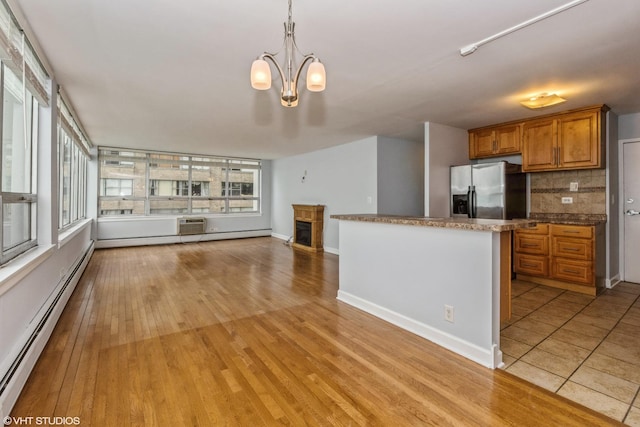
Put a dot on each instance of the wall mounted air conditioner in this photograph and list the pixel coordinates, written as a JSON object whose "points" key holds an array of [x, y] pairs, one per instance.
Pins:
{"points": [[191, 226]]}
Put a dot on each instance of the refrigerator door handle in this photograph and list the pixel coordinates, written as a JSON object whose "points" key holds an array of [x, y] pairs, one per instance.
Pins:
{"points": [[471, 200]]}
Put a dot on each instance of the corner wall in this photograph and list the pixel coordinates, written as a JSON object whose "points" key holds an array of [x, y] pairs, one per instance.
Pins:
{"points": [[342, 178], [400, 177], [444, 146]]}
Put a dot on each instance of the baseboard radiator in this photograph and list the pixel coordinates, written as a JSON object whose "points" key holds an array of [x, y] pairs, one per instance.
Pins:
{"points": [[192, 225], [16, 375]]}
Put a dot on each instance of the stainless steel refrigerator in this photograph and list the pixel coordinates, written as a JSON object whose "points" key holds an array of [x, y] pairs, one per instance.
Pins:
{"points": [[488, 190]]}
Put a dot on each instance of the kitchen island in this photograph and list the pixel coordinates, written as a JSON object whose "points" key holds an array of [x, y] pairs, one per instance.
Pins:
{"points": [[414, 272]]}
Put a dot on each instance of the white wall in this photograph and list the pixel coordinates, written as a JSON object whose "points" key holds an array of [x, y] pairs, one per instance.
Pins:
{"points": [[444, 146], [629, 126], [35, 286], [425, 275], [612, 273], [342, 178], [400, 177]]}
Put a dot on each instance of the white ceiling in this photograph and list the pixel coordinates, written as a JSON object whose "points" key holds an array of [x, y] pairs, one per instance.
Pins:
{"points": [[174, 75]]}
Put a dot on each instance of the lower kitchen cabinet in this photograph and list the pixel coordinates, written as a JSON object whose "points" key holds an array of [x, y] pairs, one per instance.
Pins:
{"points": [[565, 256]]}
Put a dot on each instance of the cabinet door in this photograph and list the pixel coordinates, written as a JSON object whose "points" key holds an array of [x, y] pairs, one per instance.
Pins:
{"points": [[539, 149], [534, 244], [539, 228], [481, 143], [572, 271], [572, 248], [534, 265], [579, 140], [508, 139]]}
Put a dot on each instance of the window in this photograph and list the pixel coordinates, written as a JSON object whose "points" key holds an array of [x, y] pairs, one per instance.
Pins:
{"points": [[116, 187], [123, 178], [179, 184], [25, 87], [19, 166], [238, 188], [116, 212], [159, 187], [72, 169]]}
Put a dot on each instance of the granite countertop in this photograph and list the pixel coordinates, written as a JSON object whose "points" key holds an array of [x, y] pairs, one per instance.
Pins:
{"points": [[569, 219], [458, 223]]}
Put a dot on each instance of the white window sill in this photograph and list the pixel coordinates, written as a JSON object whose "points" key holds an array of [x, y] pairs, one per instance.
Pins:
{"points": [[18, 268], [68, 235]]}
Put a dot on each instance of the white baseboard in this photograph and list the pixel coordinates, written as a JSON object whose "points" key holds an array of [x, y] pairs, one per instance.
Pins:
{"points": [[286, 238], [610, 283], [281, 236], [167, 240], [332, 250], [49, 314], [491, 358]]}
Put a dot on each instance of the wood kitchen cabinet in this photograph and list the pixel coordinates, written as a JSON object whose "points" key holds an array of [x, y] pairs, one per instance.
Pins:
{"points": [[563, 256], [531, 250], [572, 140], [495, 141]]}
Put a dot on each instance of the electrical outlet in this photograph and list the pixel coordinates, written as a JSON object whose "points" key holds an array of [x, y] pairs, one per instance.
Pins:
{"points": [[573, 186], [567, 200], [448, 313]]}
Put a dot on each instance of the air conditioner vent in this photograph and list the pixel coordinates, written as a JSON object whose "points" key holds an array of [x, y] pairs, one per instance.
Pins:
{"points": [[191, 226]]}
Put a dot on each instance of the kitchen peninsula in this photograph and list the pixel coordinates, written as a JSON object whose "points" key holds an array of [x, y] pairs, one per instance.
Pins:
{"points": [[440, 278]]}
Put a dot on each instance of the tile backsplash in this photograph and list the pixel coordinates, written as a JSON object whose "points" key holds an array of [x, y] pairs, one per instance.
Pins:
{"points": [[548, 189]]}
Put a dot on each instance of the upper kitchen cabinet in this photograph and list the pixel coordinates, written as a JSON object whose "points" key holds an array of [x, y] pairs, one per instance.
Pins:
{"points": [[571, 140], [495, 141]]}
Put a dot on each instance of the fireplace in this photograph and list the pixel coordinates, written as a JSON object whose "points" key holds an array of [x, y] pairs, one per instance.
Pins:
{"points": [[308, 221], [303, 233]]}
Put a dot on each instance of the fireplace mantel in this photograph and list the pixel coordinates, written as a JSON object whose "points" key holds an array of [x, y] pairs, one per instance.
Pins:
{"points": [[311, 218]]}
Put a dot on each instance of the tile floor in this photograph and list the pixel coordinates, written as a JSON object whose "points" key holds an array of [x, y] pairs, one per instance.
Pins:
{"points": [[584, 348]]}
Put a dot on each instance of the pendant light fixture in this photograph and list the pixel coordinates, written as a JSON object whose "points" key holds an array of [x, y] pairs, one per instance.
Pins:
{"points": [[261, 71]]}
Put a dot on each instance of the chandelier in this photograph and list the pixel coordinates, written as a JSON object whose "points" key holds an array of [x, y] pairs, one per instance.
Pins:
{"points": [[261, 72]]}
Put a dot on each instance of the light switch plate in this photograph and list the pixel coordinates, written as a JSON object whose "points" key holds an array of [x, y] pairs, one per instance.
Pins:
{"points": [[567, 200], [573, 186]]}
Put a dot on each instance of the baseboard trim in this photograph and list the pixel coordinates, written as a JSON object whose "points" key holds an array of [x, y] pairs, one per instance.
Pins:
{"points": [[16, 376], [167, 240], [281, 236], [490, 358], [610, 283], [333, 251], [286, 238]]}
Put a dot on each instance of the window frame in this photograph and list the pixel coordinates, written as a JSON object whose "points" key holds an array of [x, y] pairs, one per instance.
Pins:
{"points": [[189, 163], [75, 204], [16, 198]]}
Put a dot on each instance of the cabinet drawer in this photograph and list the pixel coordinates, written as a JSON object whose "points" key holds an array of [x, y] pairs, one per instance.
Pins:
{"points": [[538, 229], [534, 244], [575, 231], [531, 264], [572, 248], [573, 271]]}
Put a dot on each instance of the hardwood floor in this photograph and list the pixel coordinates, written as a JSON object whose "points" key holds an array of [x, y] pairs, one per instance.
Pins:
{"points": [[248, 332]]}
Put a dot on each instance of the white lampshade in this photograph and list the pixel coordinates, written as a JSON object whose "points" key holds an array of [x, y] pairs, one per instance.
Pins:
{"points": [[260, 75], [316, 77]]}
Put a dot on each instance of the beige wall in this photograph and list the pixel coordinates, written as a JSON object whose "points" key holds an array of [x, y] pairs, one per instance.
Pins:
{"points": [[548, 189]]}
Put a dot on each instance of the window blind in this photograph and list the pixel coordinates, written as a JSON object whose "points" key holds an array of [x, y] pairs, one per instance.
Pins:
{"points": [[71, 127], [17, 53]]}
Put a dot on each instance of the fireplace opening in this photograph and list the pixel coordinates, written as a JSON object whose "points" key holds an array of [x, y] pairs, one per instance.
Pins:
{"points": [[303, 233]]}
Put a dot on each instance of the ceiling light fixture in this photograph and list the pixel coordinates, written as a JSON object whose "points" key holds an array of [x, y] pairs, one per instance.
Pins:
{"points": [[261, 72], [543, 100], [469, 49]]}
